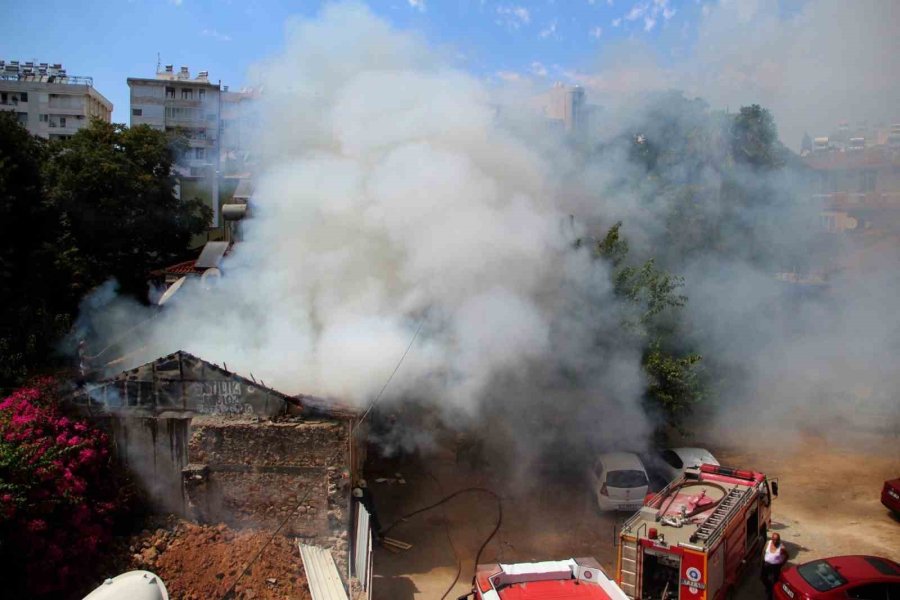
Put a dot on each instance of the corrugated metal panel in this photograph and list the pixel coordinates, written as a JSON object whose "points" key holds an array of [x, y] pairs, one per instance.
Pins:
{"points": [[211, 255], [321, 574], [361, 552]]}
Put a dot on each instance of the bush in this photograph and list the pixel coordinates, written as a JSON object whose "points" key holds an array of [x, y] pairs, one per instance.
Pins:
{"points": [[58, 492]]}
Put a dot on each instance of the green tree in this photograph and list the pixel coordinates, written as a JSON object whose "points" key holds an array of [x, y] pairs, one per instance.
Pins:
{"points": [[754, 138], [36, 257], [114, 186], [674, 383], [74, 214]]}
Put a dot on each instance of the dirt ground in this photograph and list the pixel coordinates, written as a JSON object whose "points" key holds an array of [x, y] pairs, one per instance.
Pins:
{"points": [[202, 562], [828, 504]]}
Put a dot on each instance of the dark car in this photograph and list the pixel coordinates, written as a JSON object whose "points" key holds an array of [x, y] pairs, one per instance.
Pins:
{"points": [[855, 577], [890, 495]]}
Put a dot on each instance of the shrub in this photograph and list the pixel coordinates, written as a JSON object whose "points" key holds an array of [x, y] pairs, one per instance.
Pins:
{"points": [[58, 492]]}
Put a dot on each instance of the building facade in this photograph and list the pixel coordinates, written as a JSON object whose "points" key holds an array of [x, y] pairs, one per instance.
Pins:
{"points": [[48, 101], [178, 104]]}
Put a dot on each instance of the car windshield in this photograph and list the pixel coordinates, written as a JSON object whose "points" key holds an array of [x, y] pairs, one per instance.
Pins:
{"points": [[626, 479], [821, 575]]}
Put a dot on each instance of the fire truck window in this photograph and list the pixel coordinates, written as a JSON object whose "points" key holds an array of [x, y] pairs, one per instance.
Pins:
{"points": [[671, 459], [872, 591]]}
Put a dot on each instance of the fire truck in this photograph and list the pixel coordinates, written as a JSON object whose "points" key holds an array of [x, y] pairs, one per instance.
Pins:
{"points": [[572, 579], [693, 539]]}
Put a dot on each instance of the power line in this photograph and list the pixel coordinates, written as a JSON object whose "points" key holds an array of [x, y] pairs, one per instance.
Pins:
{"points": [[394, 372]]}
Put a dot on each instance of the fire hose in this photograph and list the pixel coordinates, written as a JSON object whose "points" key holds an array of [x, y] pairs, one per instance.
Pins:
{"points": [[660, 514], [444, 501]]}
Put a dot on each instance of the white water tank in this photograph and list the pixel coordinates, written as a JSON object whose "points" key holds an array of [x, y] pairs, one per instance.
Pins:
{"points": [[134, 585]]}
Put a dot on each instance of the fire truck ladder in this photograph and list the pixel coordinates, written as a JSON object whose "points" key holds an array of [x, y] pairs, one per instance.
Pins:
{"points": [[628, 567], [711, 526]]}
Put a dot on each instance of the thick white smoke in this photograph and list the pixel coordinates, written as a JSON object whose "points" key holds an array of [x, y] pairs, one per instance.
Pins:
{"points": [[390, 199], [813, 63]]}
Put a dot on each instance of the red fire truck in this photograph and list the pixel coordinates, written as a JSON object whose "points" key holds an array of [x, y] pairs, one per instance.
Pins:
{"points": [[693, 539], [572, 579]]}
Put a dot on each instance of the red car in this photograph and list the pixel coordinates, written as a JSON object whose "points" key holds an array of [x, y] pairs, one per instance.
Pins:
{"points": [[890, 495], [858, 577]]}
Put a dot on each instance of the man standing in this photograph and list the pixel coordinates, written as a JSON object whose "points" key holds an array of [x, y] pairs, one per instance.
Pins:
{"points": [[773, 560]]}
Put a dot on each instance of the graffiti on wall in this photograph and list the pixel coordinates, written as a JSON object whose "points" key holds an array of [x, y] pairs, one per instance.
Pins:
{"points": [[223, 398]]}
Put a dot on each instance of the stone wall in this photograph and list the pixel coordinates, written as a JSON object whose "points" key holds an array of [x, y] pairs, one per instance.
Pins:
{"points": [[250, 474]]}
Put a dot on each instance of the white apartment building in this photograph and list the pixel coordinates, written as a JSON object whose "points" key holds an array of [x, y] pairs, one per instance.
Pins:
{"points": [[48, 101], [174, 102]]}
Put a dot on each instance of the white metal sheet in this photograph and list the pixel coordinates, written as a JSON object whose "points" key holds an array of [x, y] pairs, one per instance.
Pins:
{"points": [[321, 574], [363, 544]]}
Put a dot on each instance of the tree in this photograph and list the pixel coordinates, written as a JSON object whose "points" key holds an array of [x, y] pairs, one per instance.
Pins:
{"points": [[754, 138], [114, 187], [59, 492], [74, 214], [36, 257], [674, 384]]}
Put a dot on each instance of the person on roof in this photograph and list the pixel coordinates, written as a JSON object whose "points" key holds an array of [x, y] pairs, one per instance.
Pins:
{"points": [[775, 555]]}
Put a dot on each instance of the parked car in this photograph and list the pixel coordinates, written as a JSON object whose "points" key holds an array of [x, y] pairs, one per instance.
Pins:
{"points": [[890, 495], [859, 577], [673, 461], [620, 481]]}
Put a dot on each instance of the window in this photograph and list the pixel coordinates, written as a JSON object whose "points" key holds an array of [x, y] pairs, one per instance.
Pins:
{"points": [[626, 479], [867, 181], [822, 576], [671, 459], [187, 94], [43, 118], [199, 153], [170, 93], [23, 97], [882, 566], [201, 94], [23, 118], [3, 97], [62, 121], [137, 112]]}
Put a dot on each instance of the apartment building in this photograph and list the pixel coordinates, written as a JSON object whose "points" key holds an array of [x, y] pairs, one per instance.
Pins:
{"points": [[174, 102], [48, 101]]}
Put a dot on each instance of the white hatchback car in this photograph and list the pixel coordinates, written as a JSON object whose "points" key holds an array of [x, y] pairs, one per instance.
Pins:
{"points": [[675, 460], [620, 481]]}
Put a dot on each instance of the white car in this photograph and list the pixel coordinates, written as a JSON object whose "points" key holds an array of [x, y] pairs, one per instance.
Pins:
{"points": [[620, 481], [674, 461]]}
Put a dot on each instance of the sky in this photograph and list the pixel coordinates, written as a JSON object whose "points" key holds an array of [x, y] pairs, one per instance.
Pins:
{"points": [[814, 63], [111, 40]]}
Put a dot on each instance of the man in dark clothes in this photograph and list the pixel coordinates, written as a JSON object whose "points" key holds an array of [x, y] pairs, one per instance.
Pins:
{"points": [[364, 496]]}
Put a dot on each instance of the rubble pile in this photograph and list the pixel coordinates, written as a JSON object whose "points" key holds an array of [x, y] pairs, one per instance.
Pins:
{"points": [[198, 562]]}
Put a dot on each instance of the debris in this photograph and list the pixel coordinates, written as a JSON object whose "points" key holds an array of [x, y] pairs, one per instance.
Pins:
{"points": [[396, 543]]}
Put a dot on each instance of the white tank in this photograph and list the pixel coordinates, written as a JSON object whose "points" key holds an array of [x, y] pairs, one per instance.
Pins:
{"points": [[134, 585]]}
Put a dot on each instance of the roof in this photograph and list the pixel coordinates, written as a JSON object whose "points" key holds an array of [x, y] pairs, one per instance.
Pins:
{"points": [[571, 579], [698, 493], [861, 567], [551, 590], [210, 256], [694, 457], [621, 461]]}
